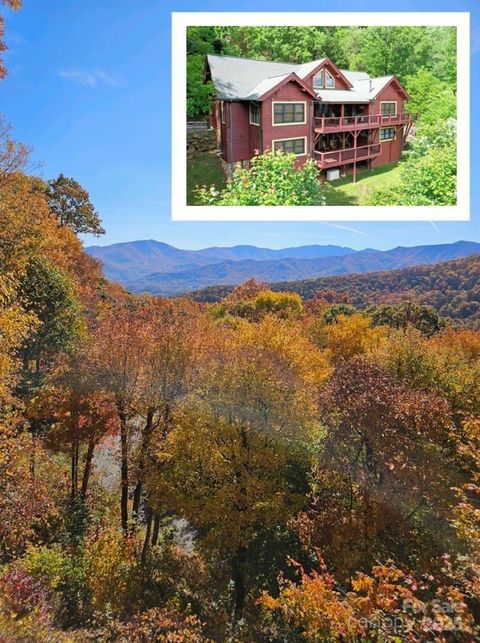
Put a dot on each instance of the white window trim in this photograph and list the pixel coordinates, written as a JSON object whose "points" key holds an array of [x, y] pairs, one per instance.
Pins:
{"points": [[320, 71], [283, 102], [291, 138], [333, 79], [383, 102], [386, 140], [250, 114], [222, 112]]}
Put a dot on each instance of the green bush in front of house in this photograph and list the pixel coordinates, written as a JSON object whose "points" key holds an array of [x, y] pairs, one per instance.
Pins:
{"points": [[272, 179]]}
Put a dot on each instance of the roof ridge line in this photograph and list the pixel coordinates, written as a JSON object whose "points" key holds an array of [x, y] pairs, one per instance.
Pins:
{"points": [[259, 60]]}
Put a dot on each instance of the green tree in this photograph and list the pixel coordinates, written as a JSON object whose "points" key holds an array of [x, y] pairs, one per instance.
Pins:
{"points": [[49, 295], [271, 180], [424, 318], [433, 99], [70, 203]]}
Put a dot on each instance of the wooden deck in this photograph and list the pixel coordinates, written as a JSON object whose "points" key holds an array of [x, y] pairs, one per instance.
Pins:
{"points": [[323, 125], [324, 160]]}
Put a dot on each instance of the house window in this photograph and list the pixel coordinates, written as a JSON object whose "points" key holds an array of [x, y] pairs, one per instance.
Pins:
{"points": [[222, 111], [284, 113], [387, 133], [318, 80], [388, 109], [289, 146], [329, 80], [254, 114]]}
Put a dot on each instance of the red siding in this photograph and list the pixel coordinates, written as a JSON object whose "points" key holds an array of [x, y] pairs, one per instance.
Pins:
{"points": [[289, 92], [235, 134], [255, 135], [391, 150], [389, 93], [246, 139], [339, 82]]}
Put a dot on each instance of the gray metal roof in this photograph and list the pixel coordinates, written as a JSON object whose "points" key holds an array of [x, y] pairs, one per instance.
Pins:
{"points": [[240, 78], [246, 79], [353, 76], [342, 96], [265, 85]]}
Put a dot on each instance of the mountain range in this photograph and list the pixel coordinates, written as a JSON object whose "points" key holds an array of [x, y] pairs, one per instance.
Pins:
{"points": [[161, 269]]}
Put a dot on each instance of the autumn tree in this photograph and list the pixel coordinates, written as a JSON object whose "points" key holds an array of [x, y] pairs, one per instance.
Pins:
{"points": [[13, 155], [387, 605], [120, 346], [80, 414], [176, 332], [224, 465], [352, 335], [70, 204], [388, 456], [15, 5]]}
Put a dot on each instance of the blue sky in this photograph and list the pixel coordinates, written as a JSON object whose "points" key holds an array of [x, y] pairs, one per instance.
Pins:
{"points": [[89, 91]]}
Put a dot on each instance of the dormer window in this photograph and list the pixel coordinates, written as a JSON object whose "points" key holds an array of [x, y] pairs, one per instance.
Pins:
{"points": [[329, 80], [318, 80]]}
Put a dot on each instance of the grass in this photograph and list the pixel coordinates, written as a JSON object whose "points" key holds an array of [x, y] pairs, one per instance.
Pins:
{"points": [[205, 169], [345, 192]]}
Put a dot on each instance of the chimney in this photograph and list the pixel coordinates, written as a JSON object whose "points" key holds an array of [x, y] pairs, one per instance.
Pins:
{"points": [[370, 85]]}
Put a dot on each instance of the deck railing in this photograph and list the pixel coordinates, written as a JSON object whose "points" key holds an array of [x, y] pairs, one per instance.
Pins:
{"points": [[327, 123], [348, 155]]}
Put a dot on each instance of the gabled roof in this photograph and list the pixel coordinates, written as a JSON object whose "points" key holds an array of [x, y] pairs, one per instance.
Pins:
{"points": [[243, 78], [269, 85], [248, 79]]}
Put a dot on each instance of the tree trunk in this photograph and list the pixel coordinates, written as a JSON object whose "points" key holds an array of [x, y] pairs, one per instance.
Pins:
{"points": [[72, 470], [137, 494], [88, 467], [146, 542], [156, 529], [124, 466], [33, 456], [238, 576]]}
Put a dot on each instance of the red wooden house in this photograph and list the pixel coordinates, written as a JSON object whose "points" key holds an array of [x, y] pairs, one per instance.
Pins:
{"points": [[342, 119]]}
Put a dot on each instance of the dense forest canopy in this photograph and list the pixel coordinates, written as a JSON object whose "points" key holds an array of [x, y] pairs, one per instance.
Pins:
{"points": [[452, 288]]}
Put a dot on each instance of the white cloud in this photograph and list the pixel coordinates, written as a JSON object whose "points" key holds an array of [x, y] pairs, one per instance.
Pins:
{"points": [[89, 78]]}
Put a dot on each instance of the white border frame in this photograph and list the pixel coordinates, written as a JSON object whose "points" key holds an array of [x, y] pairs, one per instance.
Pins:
{"points": [[292, 138], [183, 212]]}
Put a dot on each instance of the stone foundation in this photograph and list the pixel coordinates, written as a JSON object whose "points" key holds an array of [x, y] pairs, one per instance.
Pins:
{"points": [[200, 141]]}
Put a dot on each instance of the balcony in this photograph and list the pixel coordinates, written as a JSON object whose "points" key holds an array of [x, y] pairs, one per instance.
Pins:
{"points": [[344, 156], [323, 125]]}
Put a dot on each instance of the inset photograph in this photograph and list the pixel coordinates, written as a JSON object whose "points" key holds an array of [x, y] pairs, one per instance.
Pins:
{"points": [[322, 116]]}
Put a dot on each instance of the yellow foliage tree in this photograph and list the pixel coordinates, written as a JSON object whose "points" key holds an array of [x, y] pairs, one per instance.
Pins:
{"points": [[353, 335]]}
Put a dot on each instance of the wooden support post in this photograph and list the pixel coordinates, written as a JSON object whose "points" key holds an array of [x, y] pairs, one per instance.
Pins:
{"points": [[355, 137]]}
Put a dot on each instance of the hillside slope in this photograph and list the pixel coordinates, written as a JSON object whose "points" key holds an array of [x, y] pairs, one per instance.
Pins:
{"points": [[451, 287]]}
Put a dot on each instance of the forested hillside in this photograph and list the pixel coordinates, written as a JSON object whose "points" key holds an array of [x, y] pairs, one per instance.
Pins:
{"points": [[452, 288]]}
